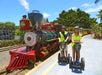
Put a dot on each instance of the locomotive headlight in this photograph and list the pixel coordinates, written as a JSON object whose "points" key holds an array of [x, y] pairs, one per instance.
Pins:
{"points": [[30, 38]]}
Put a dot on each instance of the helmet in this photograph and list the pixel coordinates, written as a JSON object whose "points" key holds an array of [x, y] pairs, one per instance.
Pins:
{"points": [[63, 27], [76, 27]]}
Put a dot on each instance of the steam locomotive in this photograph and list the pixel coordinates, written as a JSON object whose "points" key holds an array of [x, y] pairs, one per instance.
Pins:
{"points": [[40, 39]]}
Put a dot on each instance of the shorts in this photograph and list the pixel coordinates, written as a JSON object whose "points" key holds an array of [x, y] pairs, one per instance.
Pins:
{"points": [[72, 44], [76, 46], [65, 47]]}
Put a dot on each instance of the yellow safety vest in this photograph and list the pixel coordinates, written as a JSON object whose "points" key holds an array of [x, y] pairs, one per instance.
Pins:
{"points": [[62, 38], [76, 38]]}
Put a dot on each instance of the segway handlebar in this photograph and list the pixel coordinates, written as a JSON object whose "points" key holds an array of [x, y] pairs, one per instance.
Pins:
{"points": [[78, 42]]}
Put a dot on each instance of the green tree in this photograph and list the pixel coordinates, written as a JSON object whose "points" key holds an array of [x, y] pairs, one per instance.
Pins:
{"points": [[100, 16], [1, 25], [97, 31], [10, 26], [72, 18], [100, 24]]}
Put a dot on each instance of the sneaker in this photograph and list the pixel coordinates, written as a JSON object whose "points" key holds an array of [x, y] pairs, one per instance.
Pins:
{"points": [[78, 62], [73, 61]]}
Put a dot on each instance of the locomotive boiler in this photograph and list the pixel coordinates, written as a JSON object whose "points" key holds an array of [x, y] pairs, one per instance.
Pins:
{"points": [[40, 39]]}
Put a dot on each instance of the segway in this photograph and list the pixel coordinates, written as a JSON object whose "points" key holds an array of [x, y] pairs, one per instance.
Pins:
{"points": [[81, 66], [62, 57]]}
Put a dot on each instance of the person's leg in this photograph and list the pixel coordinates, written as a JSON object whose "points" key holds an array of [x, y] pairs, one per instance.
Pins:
{"points": [[78, 55], [66, 51], [78, 58], [73, 53], [62, 53]]}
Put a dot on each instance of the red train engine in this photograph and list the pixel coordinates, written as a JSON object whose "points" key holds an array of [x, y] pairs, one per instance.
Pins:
{"points": [[40, 39]]}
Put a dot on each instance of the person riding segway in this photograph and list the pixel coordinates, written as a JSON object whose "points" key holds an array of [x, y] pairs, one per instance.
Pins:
{"points": [[63, 37], [76, 46], [76, 38]]}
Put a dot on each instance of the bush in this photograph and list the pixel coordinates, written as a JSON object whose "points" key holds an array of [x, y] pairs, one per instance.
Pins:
{"points": [[4, 43], [70, 28], [97, 31], [84, 33]]}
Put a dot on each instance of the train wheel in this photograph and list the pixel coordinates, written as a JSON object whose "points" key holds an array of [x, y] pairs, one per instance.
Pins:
{"points": [[30, 64], [8, 71], [68, 58]]}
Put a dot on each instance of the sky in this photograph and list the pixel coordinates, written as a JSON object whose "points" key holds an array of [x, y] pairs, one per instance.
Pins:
{"points": [[12, 10]]}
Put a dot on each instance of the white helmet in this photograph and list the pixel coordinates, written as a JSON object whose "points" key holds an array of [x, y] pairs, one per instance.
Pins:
{"points": [[63, 27], [76, 27]]}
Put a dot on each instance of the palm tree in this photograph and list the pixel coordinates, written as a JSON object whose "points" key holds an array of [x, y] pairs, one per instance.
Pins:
{"points": [[100, 16], [96, 1]]}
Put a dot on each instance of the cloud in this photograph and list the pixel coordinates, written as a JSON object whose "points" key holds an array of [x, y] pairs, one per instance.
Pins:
{"points": [[46, 15], [25, 4], [89, 10], [73, 8], [86, 5]]}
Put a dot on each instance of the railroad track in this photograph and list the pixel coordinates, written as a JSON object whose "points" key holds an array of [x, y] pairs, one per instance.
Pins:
{"points": [[9, 48], [17, 71], [2, 69], [2, 51]]}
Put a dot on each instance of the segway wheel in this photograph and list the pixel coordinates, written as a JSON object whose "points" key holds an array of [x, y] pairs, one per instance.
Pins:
{"points": [[58, 57], [70, 62], [82, 63], [68, 58], [68, 55]]}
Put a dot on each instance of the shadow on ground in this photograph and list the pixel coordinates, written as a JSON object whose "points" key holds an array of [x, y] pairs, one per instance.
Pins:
{"points": [[63, 63], [76, 70]]}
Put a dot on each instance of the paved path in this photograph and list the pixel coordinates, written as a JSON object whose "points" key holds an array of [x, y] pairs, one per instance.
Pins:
{"points": [[92, 52]]}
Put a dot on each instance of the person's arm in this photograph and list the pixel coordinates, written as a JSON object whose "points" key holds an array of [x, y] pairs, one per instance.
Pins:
{"points": [[67, 37], [80, 38], [59, 37], [72, 38]]}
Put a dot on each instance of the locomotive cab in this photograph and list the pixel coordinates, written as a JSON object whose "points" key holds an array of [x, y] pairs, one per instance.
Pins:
{"points": [[24, 23]]}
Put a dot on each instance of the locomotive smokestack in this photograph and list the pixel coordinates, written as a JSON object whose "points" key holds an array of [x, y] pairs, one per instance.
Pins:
{"points": [[35, 17]]}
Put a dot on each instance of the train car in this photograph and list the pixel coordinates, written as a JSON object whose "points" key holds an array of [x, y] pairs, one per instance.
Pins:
{"points": [[40, 39]]}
